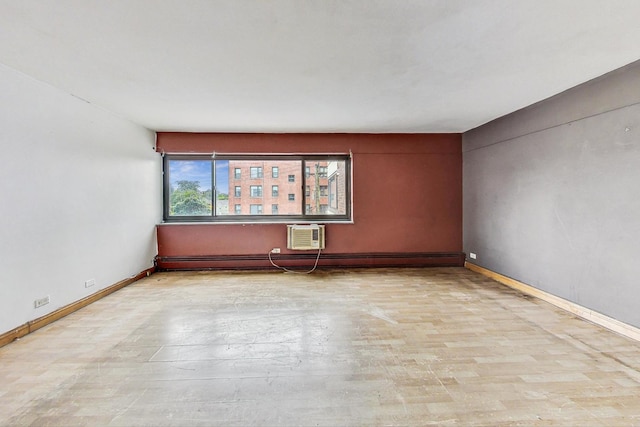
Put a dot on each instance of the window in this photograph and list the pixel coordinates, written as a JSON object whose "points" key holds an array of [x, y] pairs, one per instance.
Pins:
{"points": [[255, 172], [190, 188], [333, 190], [201, 188], [328, 183], [255, 209], [255, 190]]}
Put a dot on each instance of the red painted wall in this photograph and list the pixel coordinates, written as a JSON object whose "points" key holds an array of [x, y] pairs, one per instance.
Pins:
{"points": [[407, 194]]}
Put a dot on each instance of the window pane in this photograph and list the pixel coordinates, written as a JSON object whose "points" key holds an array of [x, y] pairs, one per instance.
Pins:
{"points": [[327, 187], [254, 182], [222, 187], [190, 187]]}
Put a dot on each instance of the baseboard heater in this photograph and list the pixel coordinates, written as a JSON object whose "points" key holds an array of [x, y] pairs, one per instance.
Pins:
{"points": [[302, 258]]}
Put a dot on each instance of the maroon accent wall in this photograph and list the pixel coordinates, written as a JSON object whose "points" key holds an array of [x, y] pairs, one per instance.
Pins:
{"points": [[407, 195]]}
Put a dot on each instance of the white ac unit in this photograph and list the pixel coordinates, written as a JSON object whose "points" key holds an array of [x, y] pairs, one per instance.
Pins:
{"points": [[305, 237]]}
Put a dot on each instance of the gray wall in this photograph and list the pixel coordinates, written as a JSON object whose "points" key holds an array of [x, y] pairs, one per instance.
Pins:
{"points": [[551, 195]]}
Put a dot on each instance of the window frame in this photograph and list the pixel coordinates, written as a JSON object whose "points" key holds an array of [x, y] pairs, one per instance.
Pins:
{"points": [[268, 218]]}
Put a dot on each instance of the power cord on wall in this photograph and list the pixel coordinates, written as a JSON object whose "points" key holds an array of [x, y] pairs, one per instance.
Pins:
{"points": [[294, 271]]}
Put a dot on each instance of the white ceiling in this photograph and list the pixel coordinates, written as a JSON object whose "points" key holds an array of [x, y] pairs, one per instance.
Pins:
{"points": [[316, 65]]}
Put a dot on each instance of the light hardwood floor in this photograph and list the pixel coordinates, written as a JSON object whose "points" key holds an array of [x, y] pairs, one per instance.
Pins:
{"points": [[376, 347]]}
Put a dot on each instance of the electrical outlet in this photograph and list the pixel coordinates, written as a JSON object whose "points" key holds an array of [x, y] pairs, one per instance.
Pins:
{"points": [[275, 250], [42, 301], [472, 255], [89, 283]]}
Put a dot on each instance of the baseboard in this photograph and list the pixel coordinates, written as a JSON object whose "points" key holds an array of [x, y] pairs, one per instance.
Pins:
{"points": [[305, 259], [610, 323], [40, 322]]}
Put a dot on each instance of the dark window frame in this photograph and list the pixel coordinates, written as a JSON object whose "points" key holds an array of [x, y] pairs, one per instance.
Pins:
{"points": [[248, 218]]}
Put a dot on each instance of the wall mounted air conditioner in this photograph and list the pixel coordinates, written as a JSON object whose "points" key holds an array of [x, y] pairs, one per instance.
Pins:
{"points": [[305, 237]]}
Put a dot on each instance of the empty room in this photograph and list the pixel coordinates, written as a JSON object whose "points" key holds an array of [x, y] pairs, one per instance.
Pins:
{"points": [[319, 213]]}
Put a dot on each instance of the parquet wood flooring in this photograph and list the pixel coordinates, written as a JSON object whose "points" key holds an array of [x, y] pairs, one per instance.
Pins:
{"points": [[368, 347]]}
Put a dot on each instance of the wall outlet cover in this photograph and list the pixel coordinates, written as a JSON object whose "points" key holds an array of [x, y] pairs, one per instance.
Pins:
{"points": [[42, 301]]}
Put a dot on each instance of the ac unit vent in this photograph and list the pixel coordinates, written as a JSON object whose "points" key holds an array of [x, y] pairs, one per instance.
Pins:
{"points": [[305, 237]]}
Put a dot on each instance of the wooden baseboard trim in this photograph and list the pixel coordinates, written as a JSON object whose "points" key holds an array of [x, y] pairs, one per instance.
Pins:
{"points": [[607, 322], [40, 322]]}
